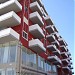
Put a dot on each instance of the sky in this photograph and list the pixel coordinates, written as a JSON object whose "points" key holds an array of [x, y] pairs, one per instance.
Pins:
{"points": [[62, 14]]}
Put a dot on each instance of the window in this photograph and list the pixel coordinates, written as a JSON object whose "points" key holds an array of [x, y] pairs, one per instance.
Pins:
{"points": [[6, 49], [2, 72], [40, 63], [12, 53], [25, 35], [28, 57], [24, 53], [10, 72], [8, 52], [54, 68]]}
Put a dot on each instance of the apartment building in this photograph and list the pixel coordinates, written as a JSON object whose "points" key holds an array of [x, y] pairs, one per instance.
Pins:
{"points": [[30, 43]]}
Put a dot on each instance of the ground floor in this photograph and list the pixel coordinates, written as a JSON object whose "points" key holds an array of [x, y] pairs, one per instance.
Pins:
{"points": [[15, 59]]}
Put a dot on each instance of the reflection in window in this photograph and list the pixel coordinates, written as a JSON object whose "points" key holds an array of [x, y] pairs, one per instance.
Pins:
{"points": [[28, 57], [8, 52], [54, 68], [12, 53], [10, 72], [6, 49], [40, 63], [2, 72]]}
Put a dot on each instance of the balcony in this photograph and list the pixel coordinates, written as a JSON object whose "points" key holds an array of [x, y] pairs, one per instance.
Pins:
{"points": [[36, 45], [56, 52], [56, 43], [66, 68], [9, 19], [11, 5], [56, 35], [36, 31], [8, 35], [2, 1], [50, 29], [36, 18], [52, 48], [48, 20], [63, 48], [64, 54], [50, 38], [54, 59], [65, 61], [55, 28], [35, 7], [62, 42], [39, 1]]}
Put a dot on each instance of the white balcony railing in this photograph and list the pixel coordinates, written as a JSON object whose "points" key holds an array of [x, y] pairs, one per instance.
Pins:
{"points": [[9, 19], [8, 35], [56, 43], [50, 38], [54, 59], [48, 20], [39, 1], [11, 5], [56, 34], [65, 61], [35, 7], [36, 31], [63, 48], [66, 68], [36, 45], [62, 42], [51, 48], [50, 29], [57, 52], [64, 54], [36, 18]]}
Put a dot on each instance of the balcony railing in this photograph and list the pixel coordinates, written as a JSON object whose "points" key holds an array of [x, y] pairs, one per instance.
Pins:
{"points": [[53, 48], [35, 7], [65, 61], [54, 59], [50, 29], [63, 48], [39, 1], [48, 20], [66, 68], [36, 31], [50, 38], [36, 18], [56, 52], [9, 19], [64, 55], [36, 45], [8, 35], [56, 35], [11, 5], [56, 43], [62, 42]]}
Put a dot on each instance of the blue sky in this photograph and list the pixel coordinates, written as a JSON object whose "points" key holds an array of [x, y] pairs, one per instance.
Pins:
{"points": [[62, 14]]}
